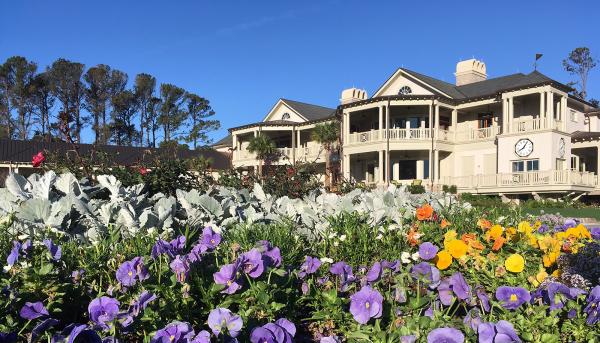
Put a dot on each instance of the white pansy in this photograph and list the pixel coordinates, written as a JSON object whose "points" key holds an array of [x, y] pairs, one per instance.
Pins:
{"points": [[405, 257], [415, 256], [326, 260], [342, 238], [332, 235]]}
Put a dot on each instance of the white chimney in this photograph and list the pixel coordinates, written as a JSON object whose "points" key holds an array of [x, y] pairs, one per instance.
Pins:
{"points": [[470, 71], [353, 94]]}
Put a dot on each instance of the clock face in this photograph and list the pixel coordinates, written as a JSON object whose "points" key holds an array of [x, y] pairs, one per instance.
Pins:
{"points": [[561, 147], [524, 147]]}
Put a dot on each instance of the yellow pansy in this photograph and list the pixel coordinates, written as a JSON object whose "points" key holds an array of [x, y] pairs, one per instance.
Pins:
{"points": [[515, 263], [443, 260], [495, 232], [456, 248], [550, 258], [525, 227], [450, 235]]}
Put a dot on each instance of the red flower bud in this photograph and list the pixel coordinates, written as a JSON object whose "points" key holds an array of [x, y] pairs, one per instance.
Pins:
{"points": [[38, 159]]}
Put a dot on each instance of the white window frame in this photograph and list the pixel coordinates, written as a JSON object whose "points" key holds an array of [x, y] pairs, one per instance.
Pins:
{"points": [[526, 167], [573, 116]]}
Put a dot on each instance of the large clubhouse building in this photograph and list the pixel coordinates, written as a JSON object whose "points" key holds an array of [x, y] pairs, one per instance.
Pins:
{"points": [[515, 134]]}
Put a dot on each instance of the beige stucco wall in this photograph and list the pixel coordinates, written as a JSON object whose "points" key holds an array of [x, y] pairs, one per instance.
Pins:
{"points": [[545, 148]]}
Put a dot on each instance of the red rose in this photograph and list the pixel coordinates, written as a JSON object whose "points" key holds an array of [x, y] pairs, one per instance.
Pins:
{"points": [[38, 159], [143, 171]]}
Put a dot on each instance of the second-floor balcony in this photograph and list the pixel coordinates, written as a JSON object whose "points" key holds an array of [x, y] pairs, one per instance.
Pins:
{"points": [[423, 134], [311, 153]]}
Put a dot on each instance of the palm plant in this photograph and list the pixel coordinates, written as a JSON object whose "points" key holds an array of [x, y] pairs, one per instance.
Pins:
{"points": [[327, 134], [264, 148]]}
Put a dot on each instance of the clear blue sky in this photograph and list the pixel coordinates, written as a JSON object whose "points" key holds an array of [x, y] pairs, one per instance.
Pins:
{"points": [[245, 55]]}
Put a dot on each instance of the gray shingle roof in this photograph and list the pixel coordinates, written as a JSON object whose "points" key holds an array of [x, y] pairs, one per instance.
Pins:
{"points": [[227, 140], [487, 87], [22, 151], [310, 111]]}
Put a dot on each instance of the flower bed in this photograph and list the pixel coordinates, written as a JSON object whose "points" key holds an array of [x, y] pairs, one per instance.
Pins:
{"points": [[109, 263]]}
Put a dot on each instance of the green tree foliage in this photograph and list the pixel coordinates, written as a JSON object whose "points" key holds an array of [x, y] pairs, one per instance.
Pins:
{"points": [[144, 92], [43, 102], [152, 116], [20, 73], [122, 129], [172, 116], [264, 148], [101, 85], [66, 86], [199, 110], [579, 62], [327, 135]]}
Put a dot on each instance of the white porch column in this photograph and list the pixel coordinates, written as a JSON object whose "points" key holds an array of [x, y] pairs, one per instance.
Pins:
{"points": [[420, 170], [380, 170], [454, 120], [504, 115], [563, 111], [346, 167], [437, 120], [511, 113], [387, 145], [380, 118], [255, 133], [542, 114], [550, 109], [294, 147], [436, 158], [430, 128]]}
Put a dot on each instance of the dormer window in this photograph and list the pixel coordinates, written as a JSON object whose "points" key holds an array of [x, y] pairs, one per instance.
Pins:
{"points": [[405, 90], [285, 116]]}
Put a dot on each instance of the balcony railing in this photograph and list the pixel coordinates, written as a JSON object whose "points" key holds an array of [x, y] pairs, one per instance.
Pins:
{"points": [[536, 124], [470, 135], [309, 153], [524, 179]]}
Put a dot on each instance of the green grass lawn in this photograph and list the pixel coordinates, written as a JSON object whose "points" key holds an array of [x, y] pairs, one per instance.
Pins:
{"points": [[567, 212]]}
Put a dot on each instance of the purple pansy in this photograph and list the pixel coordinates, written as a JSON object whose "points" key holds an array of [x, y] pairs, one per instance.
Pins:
{"points": [[13, 257], [310, 266], [202, 337], [54, 250], [445, 335], [366, 304], [252, 263], [180, 267], [502, 331], [427, 273], [40, 328], [137, 307], [175, 332], [103, 310], [228, 276], [222, 321], [34, 310], [593, 306], [374, 273], [161, 247], [330, 339], [512, 297], [556, 293], [282, 331], [210, 239], [427, 251], [271, 255], [79, 332], [177, 244], [131, 271], [483, 298], [344, 271]]}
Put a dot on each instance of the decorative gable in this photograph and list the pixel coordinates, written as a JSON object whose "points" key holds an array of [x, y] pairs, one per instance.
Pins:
{"points": [[402, 84], [282, 111]]}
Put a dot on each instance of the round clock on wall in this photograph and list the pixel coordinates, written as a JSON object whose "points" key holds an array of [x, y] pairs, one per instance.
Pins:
{"points": [[561, 148], [524, 147]]}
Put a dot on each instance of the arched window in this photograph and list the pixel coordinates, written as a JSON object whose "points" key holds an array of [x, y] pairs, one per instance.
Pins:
{"points": [[405, 90], [285, 116]]}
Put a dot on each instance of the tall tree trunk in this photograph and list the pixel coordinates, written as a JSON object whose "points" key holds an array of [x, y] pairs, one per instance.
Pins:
{"points": [[327, 168]]}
